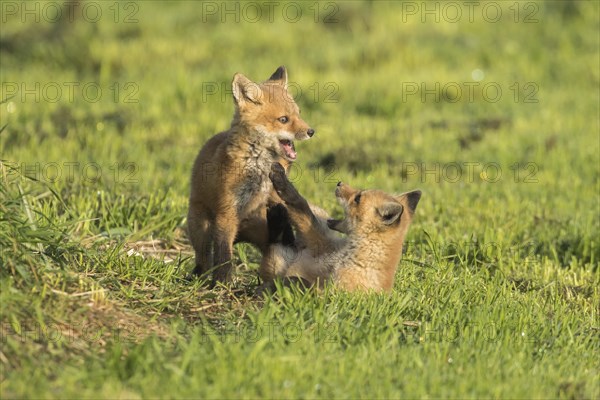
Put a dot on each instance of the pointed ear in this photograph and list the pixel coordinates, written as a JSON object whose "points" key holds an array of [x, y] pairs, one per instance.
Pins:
{"points": [[280, 76], [390, 212], [412, 199], [245, 90]]}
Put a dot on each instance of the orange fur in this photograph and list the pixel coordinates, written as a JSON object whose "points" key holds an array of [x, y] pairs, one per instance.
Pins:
{"points": [[230, 188], [375, 225]]}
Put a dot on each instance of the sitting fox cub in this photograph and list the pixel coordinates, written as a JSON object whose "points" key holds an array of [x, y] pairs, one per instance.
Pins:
{"points": [[366, 259], [230, 186]]}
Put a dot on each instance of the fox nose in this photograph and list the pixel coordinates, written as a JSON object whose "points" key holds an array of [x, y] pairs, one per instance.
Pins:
{"points": [[310, 132]]}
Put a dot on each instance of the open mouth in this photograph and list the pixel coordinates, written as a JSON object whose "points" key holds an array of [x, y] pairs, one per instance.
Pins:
{"points": [[288, 148]]}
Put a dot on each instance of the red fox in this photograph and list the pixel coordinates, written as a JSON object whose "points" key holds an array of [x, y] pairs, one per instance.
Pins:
{"points": [[375, 225], [230, 186]]}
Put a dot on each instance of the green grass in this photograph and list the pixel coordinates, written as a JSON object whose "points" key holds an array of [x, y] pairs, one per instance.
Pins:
{"points": [[497, 294]]}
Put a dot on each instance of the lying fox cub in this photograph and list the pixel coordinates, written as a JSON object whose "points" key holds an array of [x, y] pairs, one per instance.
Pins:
{"points": [[365, 259]]}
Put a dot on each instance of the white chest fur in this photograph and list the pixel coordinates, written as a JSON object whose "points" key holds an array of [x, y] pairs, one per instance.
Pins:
{"points": [[255, 185]]}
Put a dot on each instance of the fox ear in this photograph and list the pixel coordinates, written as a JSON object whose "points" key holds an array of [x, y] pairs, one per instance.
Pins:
{"points": [[280, 76], [390, 212], [245, 90], [412, 199]]}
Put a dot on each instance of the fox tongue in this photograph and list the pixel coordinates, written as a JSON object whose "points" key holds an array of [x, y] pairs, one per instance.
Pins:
{"points": [[288, 148]]}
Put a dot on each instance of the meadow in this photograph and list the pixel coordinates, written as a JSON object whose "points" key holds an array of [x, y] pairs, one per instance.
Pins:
{"points": [[490, 108]]}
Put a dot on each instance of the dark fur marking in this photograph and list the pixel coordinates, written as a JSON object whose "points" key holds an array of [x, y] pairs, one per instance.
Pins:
{"points": [[279, 226]]}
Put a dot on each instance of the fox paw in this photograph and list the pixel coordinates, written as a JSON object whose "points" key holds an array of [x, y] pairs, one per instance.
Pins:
{"points": [[278, 176], [282, 186]]}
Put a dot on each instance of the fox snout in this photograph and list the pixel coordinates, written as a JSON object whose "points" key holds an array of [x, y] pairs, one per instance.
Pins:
{"points": [[302, 130], [344, 192], [304, 134]]}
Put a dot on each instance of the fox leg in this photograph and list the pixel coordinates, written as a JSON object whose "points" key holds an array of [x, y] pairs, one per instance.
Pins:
{"points": [[286, 191], [226, 229], [200, 234], [254, 230], [308, 226], [280, 241], [278, 224]]}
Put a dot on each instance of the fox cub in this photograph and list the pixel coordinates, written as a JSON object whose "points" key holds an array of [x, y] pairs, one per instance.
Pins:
{"points": [[230, 186], [375, 225]]}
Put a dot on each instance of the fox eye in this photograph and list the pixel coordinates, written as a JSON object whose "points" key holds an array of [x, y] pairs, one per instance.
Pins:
{"points": [[357, 198], [283, 119]]}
